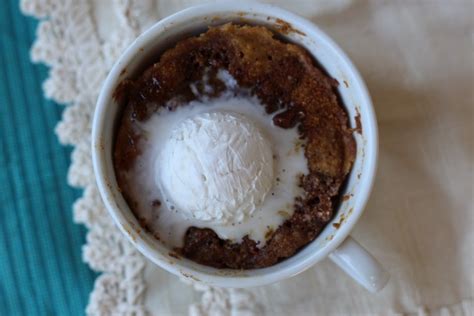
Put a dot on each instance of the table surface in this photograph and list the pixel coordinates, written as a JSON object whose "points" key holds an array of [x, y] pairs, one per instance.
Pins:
{"points": [[41, 270]]}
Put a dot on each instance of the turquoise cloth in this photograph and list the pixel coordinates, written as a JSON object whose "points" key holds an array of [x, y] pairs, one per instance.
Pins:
{"points": [[41, 270]]}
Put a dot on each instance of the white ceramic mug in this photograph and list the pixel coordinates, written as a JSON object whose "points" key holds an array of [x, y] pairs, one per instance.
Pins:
{"points": [[335, 240]]}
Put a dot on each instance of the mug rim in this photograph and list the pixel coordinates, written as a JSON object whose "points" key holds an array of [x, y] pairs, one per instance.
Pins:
{"points": [[109, 193]]}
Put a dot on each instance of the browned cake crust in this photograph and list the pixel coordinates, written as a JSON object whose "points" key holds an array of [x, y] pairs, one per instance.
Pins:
{"points": [[283, 76]]}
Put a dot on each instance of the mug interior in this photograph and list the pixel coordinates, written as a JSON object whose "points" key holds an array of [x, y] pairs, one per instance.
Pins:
{"points": [[145, 50]]}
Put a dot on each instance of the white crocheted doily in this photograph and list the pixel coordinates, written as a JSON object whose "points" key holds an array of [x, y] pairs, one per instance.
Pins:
{"points": [[80, 40]]}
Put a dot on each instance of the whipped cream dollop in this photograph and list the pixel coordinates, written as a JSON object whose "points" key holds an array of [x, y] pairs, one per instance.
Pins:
{"points": [[252, 140], [216, 167]]}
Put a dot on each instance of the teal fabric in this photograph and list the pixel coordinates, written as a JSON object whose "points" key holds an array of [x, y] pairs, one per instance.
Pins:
{"points": [[41, 270]]}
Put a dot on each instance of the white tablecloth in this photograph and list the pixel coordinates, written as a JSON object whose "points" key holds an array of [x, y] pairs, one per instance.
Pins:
{"points": [[417, 59]]}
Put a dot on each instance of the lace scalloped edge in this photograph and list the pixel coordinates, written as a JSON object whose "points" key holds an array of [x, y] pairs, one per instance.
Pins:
{"points": [[68, 42]]}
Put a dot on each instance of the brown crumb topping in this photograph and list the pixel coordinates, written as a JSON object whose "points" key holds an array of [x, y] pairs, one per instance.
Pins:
{"points": [[285, 78]]}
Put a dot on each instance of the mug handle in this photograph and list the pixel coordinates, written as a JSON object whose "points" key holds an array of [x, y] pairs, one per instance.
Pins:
{"points": [[358, 263]]}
